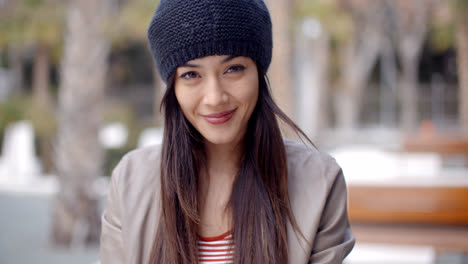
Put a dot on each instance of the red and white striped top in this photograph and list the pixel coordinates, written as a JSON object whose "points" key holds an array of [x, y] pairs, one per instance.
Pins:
{"points": [[214, 250]]}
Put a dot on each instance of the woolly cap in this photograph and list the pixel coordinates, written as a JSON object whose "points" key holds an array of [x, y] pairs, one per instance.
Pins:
{"points": [[183, 30]]}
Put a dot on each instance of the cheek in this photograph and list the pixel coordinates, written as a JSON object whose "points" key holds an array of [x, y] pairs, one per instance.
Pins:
{"points": [[248, 98], [253, 98], [185, 102], [251, 93]]}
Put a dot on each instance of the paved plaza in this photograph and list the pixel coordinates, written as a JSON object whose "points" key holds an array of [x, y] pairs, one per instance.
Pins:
{"points": [[25, 225]]}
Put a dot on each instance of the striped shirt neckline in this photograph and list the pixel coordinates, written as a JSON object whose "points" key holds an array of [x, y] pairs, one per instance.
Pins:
{"points": [[217, 249]]}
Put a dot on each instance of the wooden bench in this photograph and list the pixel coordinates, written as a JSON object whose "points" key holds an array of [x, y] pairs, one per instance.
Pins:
{"points": [[441, 205], [435, 216], [443, 145], [427, 140], [442, 238]]}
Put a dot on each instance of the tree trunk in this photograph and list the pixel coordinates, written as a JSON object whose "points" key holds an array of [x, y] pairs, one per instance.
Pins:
{"points": [[79, 155], [43, 102], [411, 31], [388, 83], [41, 72], [408, 94], [280, 70], [312, 60], [357, 65], [462, 57], [358, 59], [15, 59]]}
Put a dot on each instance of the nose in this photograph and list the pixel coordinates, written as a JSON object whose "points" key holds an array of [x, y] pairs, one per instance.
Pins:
{"points": [[214, 92]]}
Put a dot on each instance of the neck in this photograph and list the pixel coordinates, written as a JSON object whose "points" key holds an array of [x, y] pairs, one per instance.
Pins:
{"points": [[216, 180], [222, 160], [220, 170]]}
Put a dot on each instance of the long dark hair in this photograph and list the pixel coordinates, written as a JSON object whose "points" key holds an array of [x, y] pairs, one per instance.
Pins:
{"points": [[259, 200]]}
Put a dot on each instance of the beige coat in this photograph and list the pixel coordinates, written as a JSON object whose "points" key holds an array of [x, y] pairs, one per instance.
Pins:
{"points": [[316, 187]]}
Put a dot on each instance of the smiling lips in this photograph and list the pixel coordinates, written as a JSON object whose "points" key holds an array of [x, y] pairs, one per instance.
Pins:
{"points": [[219, 118]]}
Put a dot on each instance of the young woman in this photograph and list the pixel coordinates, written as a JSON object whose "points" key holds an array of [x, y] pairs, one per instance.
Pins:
{"points": [[224, 187]]}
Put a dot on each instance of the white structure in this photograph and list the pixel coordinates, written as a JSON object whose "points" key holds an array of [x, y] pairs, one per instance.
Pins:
{"points": [[371, 165], [113, 135], [18, 162], [390, 254], [151, 136]]}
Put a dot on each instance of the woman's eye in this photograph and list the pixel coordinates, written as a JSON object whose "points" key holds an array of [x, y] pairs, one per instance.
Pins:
{"points": [[235, 68], [189, 75]]}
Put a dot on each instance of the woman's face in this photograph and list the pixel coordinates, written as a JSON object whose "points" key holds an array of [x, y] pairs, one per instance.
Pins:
{"points": [[217, 95]]}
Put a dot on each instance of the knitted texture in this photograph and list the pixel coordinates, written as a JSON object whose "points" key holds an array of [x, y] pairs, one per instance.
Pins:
{"points": [[183, 30]]}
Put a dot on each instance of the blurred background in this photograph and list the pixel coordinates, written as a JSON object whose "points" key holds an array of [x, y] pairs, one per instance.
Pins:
{"points": [[382, 85]]}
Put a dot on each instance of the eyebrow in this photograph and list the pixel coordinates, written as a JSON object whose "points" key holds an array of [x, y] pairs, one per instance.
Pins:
{"points": [[231, 57]]}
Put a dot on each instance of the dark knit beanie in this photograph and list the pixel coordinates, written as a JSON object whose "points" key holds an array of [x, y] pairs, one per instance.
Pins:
{"points": [[183, 30]]}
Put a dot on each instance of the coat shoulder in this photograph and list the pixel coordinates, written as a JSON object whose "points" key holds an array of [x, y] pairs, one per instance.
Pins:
{"points": [[148, 154], [308, 164], [136, 187], [317, 193], [139, 164]]}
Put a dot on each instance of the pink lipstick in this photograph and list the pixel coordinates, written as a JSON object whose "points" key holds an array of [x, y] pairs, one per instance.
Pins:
{"points": [[219, 118]]}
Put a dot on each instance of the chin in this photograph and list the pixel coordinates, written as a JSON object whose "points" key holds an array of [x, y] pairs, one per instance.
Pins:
{"points": [[220, 139]]}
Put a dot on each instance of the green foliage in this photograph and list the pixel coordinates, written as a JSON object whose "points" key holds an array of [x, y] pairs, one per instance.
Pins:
{"points": [[113, 156], [43, 119], [33, 3], [118, 112], [24, 108], [442, 25], [442, 36], [10, 111], [462, 6], [132, 21], [3, 59], [335, 20], [123, 113], [461, 11], [32, 21]]}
